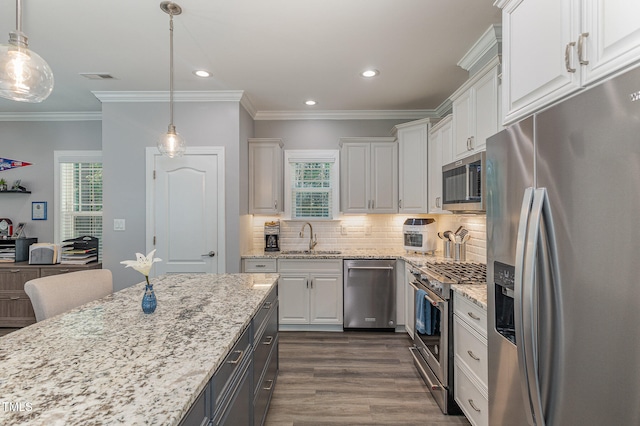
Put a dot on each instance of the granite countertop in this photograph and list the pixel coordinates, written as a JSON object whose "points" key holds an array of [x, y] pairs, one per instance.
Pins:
{"points": [[107, 362], [476, 293], [416, 259]]}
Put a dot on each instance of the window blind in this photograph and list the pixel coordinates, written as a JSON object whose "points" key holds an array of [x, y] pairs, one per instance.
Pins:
{"points": [[311, 190], [80, 200]]}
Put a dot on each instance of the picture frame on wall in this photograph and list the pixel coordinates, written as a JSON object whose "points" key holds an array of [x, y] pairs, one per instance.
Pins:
{"points": [[39, 210]]}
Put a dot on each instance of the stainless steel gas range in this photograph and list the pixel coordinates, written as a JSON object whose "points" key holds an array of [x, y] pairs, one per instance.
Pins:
{"points": [[433, 338]]}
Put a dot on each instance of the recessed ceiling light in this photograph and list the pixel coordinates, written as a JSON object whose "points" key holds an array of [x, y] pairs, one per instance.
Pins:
{"points": [[369, 73], [202, 73], [310, 102]]}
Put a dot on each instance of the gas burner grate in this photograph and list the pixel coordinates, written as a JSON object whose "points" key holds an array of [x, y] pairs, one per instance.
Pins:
{"points": [[460, 272]]}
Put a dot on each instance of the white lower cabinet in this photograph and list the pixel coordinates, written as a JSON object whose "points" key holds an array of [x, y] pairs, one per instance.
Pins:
{"points": [[310, 291], [471, 366], [409, 302]]}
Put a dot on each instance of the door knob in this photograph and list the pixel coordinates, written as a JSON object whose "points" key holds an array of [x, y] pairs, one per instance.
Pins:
{"points": [[210, 254]]}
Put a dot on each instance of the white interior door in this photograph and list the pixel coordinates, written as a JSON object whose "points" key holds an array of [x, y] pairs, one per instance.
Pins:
{"points": [[185, 218]]}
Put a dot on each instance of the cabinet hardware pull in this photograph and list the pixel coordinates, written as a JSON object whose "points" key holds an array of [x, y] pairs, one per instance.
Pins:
{"points": [[64, 270], [567, 52], [266, 305], [400, 204], [472, 355], [13, 271], [471, 143], [438, 202], [311, 282], [275, 205], [261, 265], [474, 316], [473, 405], [237, 360], [373, 204], [581, 49], [268, 388], [268, 340], [307, 283], [14, 298]]}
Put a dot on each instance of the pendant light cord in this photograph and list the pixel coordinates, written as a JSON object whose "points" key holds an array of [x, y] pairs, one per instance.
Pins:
{"points": [[19, 16], [170, 69]]}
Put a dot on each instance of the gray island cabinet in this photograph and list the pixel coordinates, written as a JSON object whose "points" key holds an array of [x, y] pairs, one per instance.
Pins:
{"points": [[208, 354]]}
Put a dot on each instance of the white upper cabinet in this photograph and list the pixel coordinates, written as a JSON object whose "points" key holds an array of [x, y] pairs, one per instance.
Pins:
{"points": [[475, 111], [440, 147], [553, 48], [265, 176], [610, 37], [369, 175], [413, 174]]}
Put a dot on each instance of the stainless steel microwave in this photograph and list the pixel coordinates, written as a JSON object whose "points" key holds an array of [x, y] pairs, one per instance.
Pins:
{"points": [[463, 183]]}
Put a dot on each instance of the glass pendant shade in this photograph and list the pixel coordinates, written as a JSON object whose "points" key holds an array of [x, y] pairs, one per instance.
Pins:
{"points": [[24, 75], [171, 144]]}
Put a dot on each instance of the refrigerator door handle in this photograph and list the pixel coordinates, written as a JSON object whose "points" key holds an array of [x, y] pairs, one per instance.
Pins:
{"points": [[529, 319], [519, 299]]}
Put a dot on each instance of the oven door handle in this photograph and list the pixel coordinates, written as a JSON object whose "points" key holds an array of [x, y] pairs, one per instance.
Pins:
{"points": [[426, 296]]}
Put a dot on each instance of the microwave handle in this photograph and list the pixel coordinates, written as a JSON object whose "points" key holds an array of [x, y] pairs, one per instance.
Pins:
{"points": [[468, 182]]}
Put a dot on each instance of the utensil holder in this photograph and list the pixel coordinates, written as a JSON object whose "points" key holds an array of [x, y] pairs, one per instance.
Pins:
{"points": [[460, 251], [448, 252]]}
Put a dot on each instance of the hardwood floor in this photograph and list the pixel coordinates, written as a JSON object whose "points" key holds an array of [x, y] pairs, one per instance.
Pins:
{"points": [[351, 378]]}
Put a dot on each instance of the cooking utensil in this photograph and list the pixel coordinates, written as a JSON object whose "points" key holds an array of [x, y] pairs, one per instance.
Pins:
{"points": [[452, 237], [458, 230], [463, 232], [440, 236], [466, 237]]}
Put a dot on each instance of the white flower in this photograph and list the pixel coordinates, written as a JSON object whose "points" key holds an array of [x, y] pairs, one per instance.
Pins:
{"points": [[142, 263]]}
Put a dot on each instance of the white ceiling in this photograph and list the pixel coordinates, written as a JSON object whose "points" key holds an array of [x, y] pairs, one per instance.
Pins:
{"points": [[280, 52]]}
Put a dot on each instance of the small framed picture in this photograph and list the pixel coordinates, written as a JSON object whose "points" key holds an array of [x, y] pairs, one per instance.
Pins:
{"points": [[39, 210]]}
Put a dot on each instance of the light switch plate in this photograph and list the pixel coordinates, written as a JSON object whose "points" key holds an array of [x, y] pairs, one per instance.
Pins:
{"points": [[367, 230], [118, 224]]}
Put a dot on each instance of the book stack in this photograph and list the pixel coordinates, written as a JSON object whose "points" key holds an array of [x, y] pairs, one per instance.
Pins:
{"points": [[7, 254]]}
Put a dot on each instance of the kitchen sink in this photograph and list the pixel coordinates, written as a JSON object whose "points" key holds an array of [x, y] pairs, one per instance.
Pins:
{"points": [[311, 252]]}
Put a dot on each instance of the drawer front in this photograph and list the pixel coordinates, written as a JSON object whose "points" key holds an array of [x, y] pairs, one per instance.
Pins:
{"points": [[16, 309], [263, 345], [472, 402], [14, 279], [472, 314], [259, 265], [265, 389], [309, 265], [268, 306], [232, 363], [471, 349], [47, 271]]}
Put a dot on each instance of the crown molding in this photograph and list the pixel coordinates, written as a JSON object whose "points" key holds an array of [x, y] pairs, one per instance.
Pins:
{"points": [[492, 37], [163, 96], [51, 116], [345, 115]]}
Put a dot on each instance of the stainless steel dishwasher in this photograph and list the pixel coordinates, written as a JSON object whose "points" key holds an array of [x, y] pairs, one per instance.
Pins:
{"points": [[370, 294]]}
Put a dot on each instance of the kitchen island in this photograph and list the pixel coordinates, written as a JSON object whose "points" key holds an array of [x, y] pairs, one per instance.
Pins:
{"points": [[108, 363]]}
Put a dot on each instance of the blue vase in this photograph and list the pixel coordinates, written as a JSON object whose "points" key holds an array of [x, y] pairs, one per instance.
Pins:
{"points": [[149, 301]]}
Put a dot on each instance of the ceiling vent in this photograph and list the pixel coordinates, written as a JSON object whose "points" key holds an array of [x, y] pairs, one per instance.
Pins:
{"points": [[97, 76]]}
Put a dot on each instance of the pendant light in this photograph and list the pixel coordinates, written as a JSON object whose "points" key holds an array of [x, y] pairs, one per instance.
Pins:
{"points": [[24, 75], [171, 144]]}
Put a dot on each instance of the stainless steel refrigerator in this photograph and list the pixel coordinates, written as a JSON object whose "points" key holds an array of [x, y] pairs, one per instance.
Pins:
{"points": [[563, 262]]}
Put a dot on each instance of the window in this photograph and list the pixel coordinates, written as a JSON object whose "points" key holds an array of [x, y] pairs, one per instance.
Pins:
{"points": [[78, 195], [311, 184]]}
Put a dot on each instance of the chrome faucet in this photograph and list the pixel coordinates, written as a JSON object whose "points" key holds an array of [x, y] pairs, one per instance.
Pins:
{"points": [[313, 239]]}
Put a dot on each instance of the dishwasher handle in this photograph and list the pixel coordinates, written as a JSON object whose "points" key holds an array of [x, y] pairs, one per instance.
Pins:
{"points": [[386, 268]]}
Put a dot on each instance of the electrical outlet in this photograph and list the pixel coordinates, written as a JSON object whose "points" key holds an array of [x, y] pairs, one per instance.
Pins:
{"points": [[119, 224], [367, 230], [344, 230]]}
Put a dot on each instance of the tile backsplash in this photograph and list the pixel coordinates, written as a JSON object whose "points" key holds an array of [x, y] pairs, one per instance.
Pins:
{"points": [[375, 231]]}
